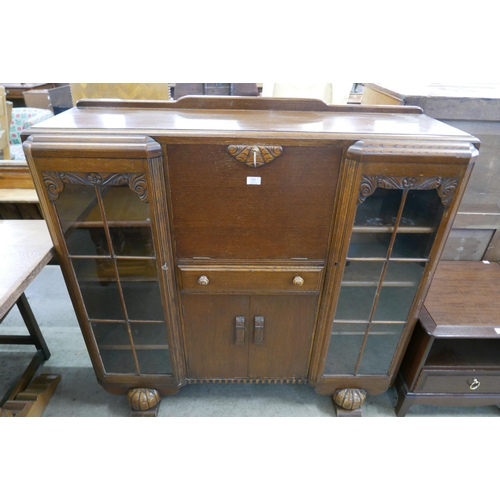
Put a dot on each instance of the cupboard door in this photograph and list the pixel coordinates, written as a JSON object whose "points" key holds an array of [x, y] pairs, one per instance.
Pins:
{"points": [[280, 338], [216, 334]]}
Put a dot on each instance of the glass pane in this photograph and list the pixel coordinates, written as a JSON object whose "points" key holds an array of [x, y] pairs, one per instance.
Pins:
{"points": [[150, 340], [81, 221], [111, 334], [100, 294], [380, 348], [146, 334], [394, 303], [140, 288], [121, 204], [404, 273], [362, 272], [379, 209], [114, 347], [355, 303], [343, 351], [132, 241], [137, 269], [364, 245], [153, 361], [413, 245], [423, 208]]}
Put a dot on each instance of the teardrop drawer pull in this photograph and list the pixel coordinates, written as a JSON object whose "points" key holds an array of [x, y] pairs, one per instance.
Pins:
{"points": [[203, 280]]}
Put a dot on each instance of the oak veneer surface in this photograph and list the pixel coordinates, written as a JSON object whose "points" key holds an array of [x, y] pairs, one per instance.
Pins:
{"points": [[465, 293], [234, 123]]}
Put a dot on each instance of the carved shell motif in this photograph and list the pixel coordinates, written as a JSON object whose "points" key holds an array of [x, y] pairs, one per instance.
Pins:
{"points": [[350, 399], [254, 156], [143, 399]]}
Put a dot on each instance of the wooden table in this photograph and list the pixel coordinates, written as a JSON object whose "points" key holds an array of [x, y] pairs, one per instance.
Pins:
{"points": [[15, 90], [453, 357], [25, 249]]}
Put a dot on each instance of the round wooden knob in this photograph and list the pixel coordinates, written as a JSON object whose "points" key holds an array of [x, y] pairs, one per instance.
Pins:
{"points": [[203, 280], [298, 280]]}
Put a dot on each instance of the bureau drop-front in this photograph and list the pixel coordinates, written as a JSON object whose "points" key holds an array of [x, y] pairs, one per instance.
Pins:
{"points": [[247, 240]]}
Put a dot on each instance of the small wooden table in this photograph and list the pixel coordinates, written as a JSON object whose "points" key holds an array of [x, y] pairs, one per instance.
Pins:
{"points": [[25, 249], [453, 357]]}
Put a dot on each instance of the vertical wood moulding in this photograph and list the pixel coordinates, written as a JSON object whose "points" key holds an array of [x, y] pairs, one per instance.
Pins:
{"points": [[161, 228], [343, 217]]}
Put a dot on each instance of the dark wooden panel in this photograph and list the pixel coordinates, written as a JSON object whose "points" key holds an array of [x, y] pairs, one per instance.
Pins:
{"points": [[458, 382], [465, 293], [287, 332], [210, 336], [217, 215]]}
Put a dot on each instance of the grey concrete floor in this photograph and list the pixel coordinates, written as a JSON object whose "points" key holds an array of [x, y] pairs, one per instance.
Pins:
{"points": [[79, 394]]}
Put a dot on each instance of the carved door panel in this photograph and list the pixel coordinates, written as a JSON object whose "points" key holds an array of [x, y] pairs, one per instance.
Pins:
{"points": [[280, 341], [215, 331]]}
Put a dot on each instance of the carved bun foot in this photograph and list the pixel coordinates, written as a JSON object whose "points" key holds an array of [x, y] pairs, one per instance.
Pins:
{"points": [[144, 402], [348, 402]]}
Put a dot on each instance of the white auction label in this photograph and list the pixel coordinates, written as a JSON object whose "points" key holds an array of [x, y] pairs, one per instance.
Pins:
{"points": [[254, 180], [497, 330]]}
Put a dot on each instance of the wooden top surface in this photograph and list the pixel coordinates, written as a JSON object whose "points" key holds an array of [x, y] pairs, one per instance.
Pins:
{"points": [[465, 293], [25, 248], [349, 122]]}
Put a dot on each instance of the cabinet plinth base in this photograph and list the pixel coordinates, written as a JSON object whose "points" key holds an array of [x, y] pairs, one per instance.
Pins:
{"points": [[342, 412], [144, 402]]}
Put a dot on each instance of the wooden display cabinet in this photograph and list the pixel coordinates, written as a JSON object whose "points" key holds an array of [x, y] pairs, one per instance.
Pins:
{"points": [[247, 240]]}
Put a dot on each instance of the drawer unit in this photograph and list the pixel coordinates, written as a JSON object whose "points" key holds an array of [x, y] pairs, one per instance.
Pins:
{"points": [[453, 357], [236, 279], [458, 382]]}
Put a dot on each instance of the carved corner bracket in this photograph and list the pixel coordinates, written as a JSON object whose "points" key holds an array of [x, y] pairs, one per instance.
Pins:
{"points": [[254, 156], [445, 186], [55, 181]]}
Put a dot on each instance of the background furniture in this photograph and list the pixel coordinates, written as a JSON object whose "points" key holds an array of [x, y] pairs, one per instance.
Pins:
{"points": [[5, 114], [474, 108], [57, 99], [240, 89], [15, 91], [331, 93], [26, 248], [264, 241], [148, 91], [454, 355]]}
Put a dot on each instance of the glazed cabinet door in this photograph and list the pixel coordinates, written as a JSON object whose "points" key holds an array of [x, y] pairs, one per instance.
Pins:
{"points": [[112, 240], [397, 213]]}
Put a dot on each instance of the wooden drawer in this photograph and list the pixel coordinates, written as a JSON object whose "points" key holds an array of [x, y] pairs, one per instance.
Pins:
{"points": [[238, 279], [458, 381]]}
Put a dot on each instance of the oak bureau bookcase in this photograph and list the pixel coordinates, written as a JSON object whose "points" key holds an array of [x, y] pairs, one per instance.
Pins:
{"points": [[247, 240]]}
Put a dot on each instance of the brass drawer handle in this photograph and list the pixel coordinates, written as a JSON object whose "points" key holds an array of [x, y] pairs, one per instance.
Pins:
{"points": [[474, 385], [298, 280], [258, 336], [203, 280], [239, 330]]}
